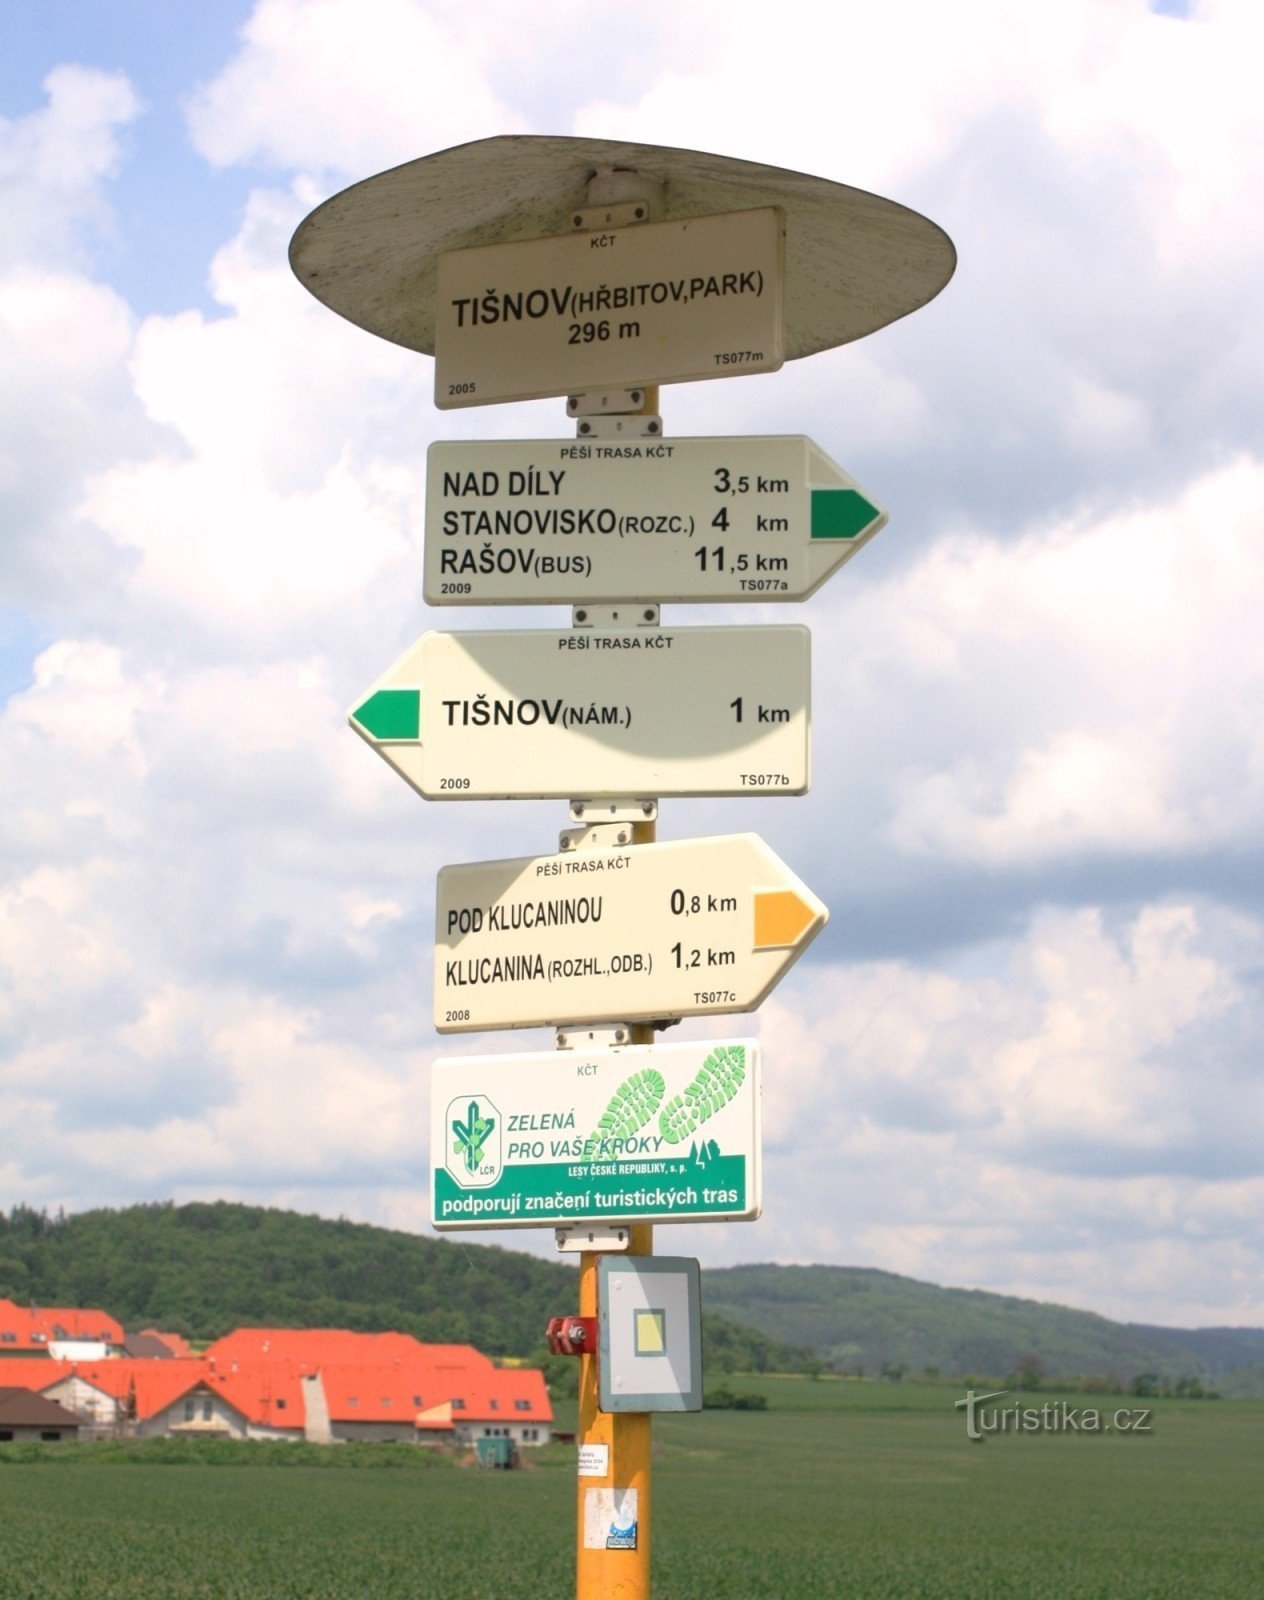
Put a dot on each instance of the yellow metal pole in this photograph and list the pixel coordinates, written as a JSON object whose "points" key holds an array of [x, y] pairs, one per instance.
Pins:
{"points": [[602, 1574]]}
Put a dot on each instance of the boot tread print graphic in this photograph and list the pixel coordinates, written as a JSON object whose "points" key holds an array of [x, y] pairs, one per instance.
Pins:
{"points": [[631, 1106], [715, 1083]]}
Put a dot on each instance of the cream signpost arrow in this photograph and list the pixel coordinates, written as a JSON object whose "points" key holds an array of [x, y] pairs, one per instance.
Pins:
{"points": [[527, 521], [691, 928], [651, 711], [598, 270], [603, 1136]]}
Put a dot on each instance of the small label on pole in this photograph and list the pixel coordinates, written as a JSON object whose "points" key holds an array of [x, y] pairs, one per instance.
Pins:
{"points": [[610, 1519], [594, 1460]]}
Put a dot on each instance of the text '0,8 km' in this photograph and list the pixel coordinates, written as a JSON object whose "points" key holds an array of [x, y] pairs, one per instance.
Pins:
{"points": [[695, 927], [550, 521], [658, 302]]}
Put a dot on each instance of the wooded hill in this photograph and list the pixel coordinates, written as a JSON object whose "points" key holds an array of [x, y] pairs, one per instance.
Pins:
{"points": [[204, 1269], [858, 1319]]}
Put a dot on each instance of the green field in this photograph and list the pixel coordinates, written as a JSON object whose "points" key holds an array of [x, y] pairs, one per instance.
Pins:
{"points": [[862, 1490]]}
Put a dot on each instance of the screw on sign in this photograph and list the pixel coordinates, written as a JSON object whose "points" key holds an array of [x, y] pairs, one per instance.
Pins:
{"points": [[596, 269]]}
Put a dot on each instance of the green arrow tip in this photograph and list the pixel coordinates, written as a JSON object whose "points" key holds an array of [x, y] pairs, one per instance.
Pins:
{"points": [[390, 714], [841, 513]]}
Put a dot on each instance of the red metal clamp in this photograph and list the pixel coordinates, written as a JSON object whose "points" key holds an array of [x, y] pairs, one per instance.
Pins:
{"points": [[572, 1336]]}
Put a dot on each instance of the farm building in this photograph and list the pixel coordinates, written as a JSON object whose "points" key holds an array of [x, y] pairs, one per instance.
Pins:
{"points": [[320, 1384], [114, 1397], [24, 1415], [31, 1330], [381, 1402], [434, 1404], [101, 1412], [384, 1386], [505, 1403], [260, 1401]]}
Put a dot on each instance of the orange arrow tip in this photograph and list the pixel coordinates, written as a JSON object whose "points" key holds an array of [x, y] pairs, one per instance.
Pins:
{"points": [[781, 918]]}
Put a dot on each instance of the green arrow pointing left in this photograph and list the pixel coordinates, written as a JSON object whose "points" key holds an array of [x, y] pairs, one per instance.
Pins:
{"points": [[391, 714]]}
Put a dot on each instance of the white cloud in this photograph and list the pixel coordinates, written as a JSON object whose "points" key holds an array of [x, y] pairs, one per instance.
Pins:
{"points": [[1093, 683], [287, 479], [1074, 1043], [53, 163], [66, 407], [325, 84], [56, 943], [895, 90], [295, 1106], [1050, 1126], [1181, 101], [82, 704]]}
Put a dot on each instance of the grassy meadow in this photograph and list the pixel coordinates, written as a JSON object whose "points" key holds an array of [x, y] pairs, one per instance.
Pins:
{"points": [[868, 1491]]}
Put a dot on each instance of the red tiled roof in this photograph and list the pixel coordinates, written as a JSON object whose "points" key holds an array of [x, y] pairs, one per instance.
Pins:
{"points": [[363, 1393], [33, 1372], [384, 1377], [377, 1393], [155, 1385], [317, 1347], [267, 1393], [30, 1329], [148, 1386], [505, 1394]]}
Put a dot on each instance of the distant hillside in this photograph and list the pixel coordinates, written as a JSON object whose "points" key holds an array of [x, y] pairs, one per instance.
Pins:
{"points": [[202, 1270], [855, 1317]]}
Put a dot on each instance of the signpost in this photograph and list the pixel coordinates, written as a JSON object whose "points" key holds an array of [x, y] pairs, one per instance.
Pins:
{"points": [[692, 928], [658, 302], [678, 266], [647, 711], [854, 261], [523, 522], [669, 1132]]}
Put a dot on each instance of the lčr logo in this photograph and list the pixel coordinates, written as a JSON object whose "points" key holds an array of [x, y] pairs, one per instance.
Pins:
{"points": [[475, 1124]]}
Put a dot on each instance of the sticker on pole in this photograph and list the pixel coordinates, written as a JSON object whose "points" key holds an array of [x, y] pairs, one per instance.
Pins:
{"points": [[658, 302], [668, 1133], [610, 1519]]}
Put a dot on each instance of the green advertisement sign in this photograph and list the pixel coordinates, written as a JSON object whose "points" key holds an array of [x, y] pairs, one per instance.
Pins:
{"points": [[668, 1133]]}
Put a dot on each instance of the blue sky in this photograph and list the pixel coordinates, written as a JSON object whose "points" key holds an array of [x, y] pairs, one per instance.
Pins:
{"points": [[169, 213], [1025, 1053]]}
